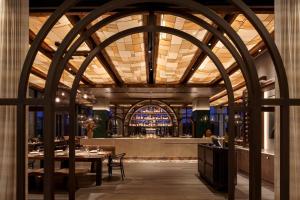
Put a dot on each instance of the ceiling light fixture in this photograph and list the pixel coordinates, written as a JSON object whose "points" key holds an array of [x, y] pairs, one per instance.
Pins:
{"points": [[57, 99], [70, 69], [63, 94], [259, 50], [85, 96], [209, 44]]}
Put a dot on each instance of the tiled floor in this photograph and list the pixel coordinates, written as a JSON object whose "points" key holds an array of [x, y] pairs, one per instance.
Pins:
{"points": [[156, 181]]}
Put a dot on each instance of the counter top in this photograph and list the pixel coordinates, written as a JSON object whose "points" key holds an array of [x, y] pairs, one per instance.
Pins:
{"points": [[180, 148], [138, 138], [264, 151]]}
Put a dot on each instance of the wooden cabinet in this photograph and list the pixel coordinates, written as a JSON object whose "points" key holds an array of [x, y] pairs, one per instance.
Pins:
{"points": [[267, 167], [213, 165], [267, 164]]}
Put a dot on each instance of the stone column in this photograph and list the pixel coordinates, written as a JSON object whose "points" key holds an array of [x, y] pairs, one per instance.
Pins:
{"points": [[14, 19], [201, 116], [287, 29], [101, 110]]}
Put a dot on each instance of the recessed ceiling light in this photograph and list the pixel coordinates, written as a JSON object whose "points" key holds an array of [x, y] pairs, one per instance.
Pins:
{"points": [[149, 51], [70, 69], [57, 99], [150, 69], [259, 50], [85, 96], [62, 94], [209, 44]]}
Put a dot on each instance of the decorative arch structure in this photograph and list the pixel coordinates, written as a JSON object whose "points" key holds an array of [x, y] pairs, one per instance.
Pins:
{"points": [[233, 43], [158, 103], [118, 122]]}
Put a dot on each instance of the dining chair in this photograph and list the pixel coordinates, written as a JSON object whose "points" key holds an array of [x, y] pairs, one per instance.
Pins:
{"points": [[116, 162]]}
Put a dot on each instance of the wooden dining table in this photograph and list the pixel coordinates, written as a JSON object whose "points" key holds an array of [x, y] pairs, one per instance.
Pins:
{"points": [[81, 156]]}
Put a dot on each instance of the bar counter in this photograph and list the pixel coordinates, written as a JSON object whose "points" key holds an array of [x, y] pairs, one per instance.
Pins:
{"points": [[152, 148]]}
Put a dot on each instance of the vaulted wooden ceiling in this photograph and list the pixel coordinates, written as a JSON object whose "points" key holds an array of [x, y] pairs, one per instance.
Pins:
{"points": [[173, 60]]}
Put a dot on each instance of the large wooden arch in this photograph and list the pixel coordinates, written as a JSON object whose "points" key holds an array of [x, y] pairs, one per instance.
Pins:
{"points": [[239, 51]]}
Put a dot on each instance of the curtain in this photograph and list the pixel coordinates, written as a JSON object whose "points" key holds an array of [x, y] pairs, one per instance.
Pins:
{"points": [[14, 44], [287, 36]]}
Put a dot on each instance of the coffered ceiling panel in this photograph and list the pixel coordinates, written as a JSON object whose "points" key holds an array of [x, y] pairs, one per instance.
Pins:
{"points": [[118, 25], [128, 56], [42, 63], [35, 80], [67, 79], [224, 100], [236, 78], [174, 53], [97, 73], [247, 32], [174, 56], [249, 36], [204, 74], [58, 32], [185, 25]]}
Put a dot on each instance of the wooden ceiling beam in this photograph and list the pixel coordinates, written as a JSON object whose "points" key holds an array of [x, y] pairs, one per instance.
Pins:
{"points": [[219, 87], [154, 19], [49, 52], [151, 41], [146, 47], [43, 76], [211, 41], [224, 92], [264, 84], [36, 87], [42, 6], [102, 56], [255, 52]]}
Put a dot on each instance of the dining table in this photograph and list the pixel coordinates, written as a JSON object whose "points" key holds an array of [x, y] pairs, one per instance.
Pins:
{"points": [[96, 157]]}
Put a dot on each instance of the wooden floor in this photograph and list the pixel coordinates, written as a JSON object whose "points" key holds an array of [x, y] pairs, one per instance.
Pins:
{"points": [[156, 181]]}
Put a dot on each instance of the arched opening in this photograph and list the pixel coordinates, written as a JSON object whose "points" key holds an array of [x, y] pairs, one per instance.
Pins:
{"points": [[151, 118], [255, 101], [115, 126]]}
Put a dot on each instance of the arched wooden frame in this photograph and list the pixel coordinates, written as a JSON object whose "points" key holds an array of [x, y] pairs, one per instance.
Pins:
{"points": [[248, 69]]}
